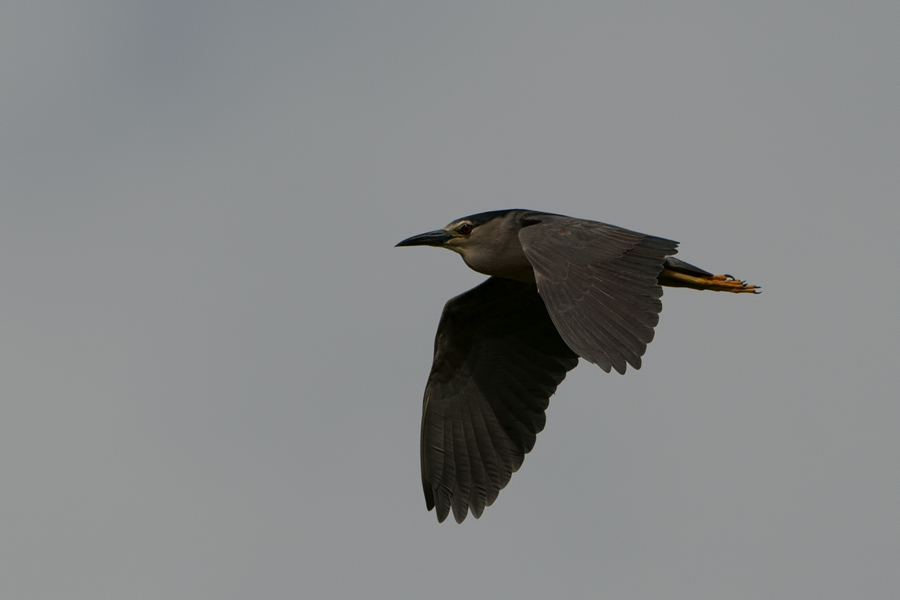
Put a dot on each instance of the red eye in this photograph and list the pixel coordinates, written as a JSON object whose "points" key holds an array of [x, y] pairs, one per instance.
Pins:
{"points": [[465, 229]]}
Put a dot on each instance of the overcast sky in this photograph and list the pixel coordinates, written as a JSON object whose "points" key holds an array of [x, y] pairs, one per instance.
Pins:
{"points": [[212, 357]]}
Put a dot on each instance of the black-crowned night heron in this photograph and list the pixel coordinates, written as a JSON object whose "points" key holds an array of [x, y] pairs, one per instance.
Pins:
{"points": [[559, 289]]}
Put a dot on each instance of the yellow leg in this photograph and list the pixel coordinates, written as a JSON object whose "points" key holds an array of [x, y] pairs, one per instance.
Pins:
{"points": [[714, 283]]}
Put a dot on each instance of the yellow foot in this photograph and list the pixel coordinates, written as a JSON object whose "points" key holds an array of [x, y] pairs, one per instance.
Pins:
{"points": [[727, 283], [714, 283]]}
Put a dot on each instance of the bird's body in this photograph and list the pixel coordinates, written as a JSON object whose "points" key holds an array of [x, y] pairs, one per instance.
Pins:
{"points": [[560, 288]]}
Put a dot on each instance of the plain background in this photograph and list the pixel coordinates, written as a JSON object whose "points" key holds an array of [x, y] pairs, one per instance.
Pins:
{"points": [[212, 357]]}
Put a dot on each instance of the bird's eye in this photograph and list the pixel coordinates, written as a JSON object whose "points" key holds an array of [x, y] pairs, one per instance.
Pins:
{"points": [[464, 229]]}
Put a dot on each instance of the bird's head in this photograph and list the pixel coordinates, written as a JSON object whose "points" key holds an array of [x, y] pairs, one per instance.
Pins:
{"points": [[454, 236], [460, 235], [488, 242]]}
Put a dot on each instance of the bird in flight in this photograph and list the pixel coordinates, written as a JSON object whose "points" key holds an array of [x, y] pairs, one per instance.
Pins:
{"points": [[560, 288]]}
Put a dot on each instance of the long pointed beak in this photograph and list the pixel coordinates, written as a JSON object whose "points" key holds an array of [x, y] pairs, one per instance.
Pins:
{"points": [[432, 238]]}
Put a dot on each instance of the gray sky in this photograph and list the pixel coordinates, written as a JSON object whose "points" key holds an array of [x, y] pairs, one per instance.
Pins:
{"points": [[212, 358]]}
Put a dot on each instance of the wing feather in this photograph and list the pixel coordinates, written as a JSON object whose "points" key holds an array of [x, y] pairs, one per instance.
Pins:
{"points": [[599, 284], [498, 359]]}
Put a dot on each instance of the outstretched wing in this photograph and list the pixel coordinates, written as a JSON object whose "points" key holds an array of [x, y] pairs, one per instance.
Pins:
{"points": [[497, 360], [599, 284]]}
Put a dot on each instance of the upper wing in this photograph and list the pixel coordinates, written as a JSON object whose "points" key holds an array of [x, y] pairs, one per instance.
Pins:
{"points": [[497, 360], [599, 284]]}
